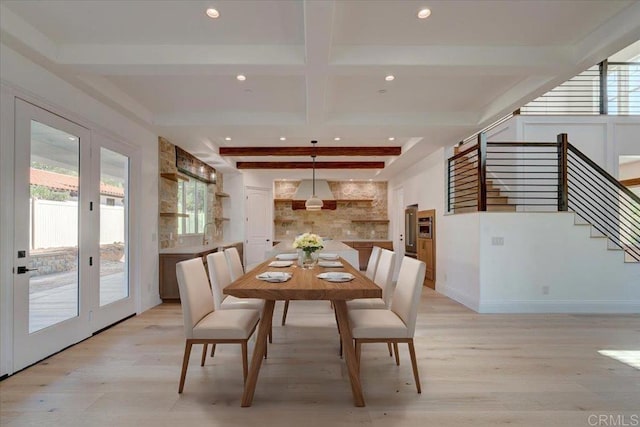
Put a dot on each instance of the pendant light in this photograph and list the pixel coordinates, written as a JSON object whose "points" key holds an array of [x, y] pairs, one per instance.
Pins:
{"points": [[313, 203]]}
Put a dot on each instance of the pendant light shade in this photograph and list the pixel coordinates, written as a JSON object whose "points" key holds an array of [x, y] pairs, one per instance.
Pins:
{"points": [[313, 203]]}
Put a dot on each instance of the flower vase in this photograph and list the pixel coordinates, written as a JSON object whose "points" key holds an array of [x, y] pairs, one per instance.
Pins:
{"points": [[308, 259]]}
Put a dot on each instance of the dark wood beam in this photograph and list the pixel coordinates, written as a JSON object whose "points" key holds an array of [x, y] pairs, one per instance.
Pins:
{"points": [[307, 151], [309, 165], [631, 182]]}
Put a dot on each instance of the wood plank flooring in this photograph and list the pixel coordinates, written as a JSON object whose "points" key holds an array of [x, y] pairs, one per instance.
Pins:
{"points": [[479, 370]]}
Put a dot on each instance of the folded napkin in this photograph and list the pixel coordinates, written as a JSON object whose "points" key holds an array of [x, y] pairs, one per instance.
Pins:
{"points": [[336, 276], [280, 263], [326, 255], [274, 276], [287, 256], [330, 264]]}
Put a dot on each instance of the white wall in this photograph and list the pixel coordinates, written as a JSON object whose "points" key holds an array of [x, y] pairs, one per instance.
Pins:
{"points": [[21, 77], [540, 249], [547, 250], [629, 170]]}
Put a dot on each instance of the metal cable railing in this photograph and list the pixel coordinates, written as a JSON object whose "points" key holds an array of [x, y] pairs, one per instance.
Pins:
{"points": [[543, 176]]}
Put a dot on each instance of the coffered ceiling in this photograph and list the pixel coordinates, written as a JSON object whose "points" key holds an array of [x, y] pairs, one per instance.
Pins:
{"points": [[316, 69]]}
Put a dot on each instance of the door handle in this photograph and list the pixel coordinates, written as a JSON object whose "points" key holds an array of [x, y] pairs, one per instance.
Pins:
{"points": [[268, 240], [23, 270]]}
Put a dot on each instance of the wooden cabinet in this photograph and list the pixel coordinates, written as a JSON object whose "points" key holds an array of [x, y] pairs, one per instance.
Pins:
{"points": [[168, 280], [427, 249], [364, 249]]}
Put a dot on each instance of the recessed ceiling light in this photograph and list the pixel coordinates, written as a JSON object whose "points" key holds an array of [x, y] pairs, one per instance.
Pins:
{"points": [[228, 138], [282, 138], [337, 138], [391, 138], [241, 77], [424, 13], [390, 78], [382, 91], [212, 13]]}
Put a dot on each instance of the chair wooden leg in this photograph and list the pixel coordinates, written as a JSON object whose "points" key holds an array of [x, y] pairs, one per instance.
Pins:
{"points": [[358, 353], [395, 349], [185, 364], [271, 334], [245, 361], [390, 351], [265, 351], [412, 352], [213, 349], [204, 354], [284, 312], [338, 324]]}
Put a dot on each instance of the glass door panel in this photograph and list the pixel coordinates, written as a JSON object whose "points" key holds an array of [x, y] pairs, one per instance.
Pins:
{"points": [[114, 198], [54, 191]]}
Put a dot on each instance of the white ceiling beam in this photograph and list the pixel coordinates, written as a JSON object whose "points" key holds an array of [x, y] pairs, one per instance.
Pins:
{"points": [[452, 56], [318, 25], [15, 28]]}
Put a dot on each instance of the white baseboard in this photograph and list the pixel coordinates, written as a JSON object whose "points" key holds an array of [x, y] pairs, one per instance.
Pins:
{"points": [[560, 306], [459, 296]]}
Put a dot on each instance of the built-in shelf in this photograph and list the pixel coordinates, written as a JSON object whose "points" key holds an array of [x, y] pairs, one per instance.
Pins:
{"points": [[282, 200], [375, 221], [174, 215], [284, 221], [222, 219], [354, 200], [221, 194], [174, 177]]}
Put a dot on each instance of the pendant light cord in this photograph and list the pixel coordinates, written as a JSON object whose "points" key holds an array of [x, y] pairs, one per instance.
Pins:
{"points": [[313, 156]]}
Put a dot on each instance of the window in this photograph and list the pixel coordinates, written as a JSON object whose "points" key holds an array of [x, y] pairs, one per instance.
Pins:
{"points": [[192, 202]]}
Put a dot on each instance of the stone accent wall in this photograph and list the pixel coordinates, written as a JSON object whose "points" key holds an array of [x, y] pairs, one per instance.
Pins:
{"points": [[337, 224], [168, 200]]}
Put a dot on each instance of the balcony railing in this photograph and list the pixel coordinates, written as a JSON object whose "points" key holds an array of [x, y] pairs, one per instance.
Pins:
{"points": [[607, 88]]}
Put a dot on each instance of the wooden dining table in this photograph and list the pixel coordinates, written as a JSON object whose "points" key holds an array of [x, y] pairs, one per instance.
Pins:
{"points": [[304, 285]]}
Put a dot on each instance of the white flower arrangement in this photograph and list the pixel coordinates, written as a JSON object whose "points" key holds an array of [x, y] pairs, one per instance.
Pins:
{"points": [[308, 242]]}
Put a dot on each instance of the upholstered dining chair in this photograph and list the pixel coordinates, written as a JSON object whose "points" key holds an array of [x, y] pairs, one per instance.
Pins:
{"points": [[398, 324], [205, 325], [384, 279], [220, 278], [235, 265], [373, 262]]}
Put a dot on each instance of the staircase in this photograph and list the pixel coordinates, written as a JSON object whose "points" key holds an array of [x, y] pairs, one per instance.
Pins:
{"points": [[549, 177]]}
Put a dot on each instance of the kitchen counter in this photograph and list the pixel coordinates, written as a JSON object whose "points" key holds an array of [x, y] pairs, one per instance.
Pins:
{"points": [[197, 249], [330, 246]]}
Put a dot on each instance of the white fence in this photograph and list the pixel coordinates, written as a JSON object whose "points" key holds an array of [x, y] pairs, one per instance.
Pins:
{"points": [[55, 224]]}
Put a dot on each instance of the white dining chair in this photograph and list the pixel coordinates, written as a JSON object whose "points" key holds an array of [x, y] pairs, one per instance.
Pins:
{"points": [[398, 324], [235, 264], [384, 279], [373, 262], [220, 278], [205, 325]]}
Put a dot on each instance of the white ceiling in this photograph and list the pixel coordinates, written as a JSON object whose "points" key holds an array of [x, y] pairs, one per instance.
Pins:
{"points": [[315, 68]]}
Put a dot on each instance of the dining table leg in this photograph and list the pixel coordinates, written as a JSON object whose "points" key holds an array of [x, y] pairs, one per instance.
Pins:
{"points": [[349, 351], [258, 353]]}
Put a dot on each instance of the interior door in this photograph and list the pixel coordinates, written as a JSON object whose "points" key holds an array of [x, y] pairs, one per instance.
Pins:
{"points": [[52, 239], [259, 230]]}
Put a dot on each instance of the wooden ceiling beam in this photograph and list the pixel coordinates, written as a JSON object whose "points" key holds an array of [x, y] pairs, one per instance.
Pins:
{"points": [[309, 165], [307, 151]]}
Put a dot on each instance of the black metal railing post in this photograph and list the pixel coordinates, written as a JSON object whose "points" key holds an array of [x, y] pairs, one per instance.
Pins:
{"points": [[482, 172], [563, 183], [604, 96], [449, 185]]}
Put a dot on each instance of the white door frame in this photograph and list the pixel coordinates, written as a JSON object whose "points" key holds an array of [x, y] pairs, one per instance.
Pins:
{"points": [[397, 218], [28, 348], [269, 192]]}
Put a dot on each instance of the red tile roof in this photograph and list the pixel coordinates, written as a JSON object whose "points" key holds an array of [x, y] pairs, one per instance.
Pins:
{"points": [[58, 181]]}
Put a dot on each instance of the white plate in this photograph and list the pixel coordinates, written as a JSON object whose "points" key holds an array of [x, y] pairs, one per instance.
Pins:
{"points": [[287, 256], [274, 276], [330, 264], [335, 276], [280, 263], [328, 256]]}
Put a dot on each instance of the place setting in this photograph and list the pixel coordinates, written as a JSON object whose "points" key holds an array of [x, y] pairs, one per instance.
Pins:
{"points": [[274, 276], [336, 276]]}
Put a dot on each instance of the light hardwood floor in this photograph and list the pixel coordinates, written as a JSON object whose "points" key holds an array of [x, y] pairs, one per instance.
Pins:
{"points": [[480, 370]]}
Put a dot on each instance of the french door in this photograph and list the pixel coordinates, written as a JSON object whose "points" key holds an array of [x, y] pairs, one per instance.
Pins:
{"points": [[71, 266]]}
